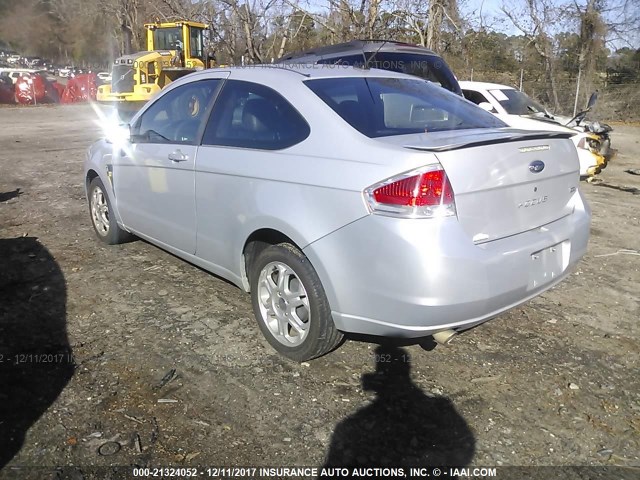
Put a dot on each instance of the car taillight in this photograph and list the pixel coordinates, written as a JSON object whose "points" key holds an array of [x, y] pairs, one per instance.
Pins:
{"points": [[423, 193]]}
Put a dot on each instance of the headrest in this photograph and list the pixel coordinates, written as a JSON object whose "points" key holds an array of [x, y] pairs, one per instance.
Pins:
{"points": [[259, 115]]}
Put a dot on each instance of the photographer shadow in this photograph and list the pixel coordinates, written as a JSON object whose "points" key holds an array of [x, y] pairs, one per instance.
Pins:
{"points": [[35, 357], [402, 427]]}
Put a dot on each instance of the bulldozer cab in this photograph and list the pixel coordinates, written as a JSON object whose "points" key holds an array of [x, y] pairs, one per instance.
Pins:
{"points": [[185, 38], [174, 49]]}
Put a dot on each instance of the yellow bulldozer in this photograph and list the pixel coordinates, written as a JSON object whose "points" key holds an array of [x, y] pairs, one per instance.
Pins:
{"points": [[174, 49]]}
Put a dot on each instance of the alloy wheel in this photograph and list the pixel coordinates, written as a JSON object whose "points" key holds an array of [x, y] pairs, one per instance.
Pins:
{"points": [[284, 304], [100, 211]]}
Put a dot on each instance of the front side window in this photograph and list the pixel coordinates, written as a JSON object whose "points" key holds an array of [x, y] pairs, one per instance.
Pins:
{"points": [[195, 43], [167, 38], [250, 115], [475, 97], [379, 107], [517, 103], [478, 98], [177, 116]]}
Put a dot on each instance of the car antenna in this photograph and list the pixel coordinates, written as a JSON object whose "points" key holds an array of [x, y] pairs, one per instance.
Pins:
{"points": [[367, 60]]}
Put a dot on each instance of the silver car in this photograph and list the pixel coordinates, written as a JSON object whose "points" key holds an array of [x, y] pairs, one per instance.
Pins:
{"points": [[344, 200]]}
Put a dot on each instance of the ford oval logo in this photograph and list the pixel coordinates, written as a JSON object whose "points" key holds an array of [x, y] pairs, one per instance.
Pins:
{"points": [[536, 166]]}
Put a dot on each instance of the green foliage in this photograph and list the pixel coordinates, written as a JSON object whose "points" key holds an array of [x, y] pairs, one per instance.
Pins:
{"points": [[624, 66]]}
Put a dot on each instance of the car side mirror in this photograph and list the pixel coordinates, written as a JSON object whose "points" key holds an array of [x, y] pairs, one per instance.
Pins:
{"points": [[118, 134], [486, 106]]}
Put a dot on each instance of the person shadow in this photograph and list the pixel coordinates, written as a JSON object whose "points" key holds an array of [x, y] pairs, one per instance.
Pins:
{"points": [[36, 361], [402, 427]]}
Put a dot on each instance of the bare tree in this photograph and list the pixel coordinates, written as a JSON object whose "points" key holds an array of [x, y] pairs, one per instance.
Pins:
{"points": [[127, 16], [429, 20], [413, 16], [533, 21], [592, 33]]}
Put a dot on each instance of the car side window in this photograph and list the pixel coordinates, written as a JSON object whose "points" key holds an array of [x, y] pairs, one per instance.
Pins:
{"points": [[475, 97], [177, 116], [250, 115]]}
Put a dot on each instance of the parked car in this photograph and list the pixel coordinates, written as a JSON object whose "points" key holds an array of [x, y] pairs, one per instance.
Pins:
{"points": [[36, 87], [518, 110], [7, 90], [15, 73], [49, 67], [343, 200], [384, 54], [104, 77], [34, 62], [66, 71]]}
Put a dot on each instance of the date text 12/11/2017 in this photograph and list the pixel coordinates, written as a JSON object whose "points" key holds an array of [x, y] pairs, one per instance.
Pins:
{"points": [[66, 357]]}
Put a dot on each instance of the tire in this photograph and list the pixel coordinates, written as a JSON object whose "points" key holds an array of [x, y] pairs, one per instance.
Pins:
{"points": [[297, 323], [104, 223]]}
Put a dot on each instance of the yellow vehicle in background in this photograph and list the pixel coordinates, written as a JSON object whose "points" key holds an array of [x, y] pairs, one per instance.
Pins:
{"points": [[174, 49]]}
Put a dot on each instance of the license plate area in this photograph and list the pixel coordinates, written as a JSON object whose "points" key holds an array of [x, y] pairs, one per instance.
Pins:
{"points": [[548, 264]]}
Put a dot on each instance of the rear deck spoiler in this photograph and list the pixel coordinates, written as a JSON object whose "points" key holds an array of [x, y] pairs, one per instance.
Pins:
{"points": [[520, 136]]}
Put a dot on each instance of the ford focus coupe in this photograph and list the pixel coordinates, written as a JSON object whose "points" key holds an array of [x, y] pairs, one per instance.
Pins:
{"points": [[343, 200]]}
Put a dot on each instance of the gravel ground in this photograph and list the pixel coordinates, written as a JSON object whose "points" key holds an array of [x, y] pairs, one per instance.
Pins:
{"points": [[127, 355]]}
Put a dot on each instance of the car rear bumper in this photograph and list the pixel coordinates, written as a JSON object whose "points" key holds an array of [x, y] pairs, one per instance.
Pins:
{"points": [[410, 278]]}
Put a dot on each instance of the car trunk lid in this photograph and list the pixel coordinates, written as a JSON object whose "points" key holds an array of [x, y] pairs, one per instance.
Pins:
{"points": [[506, 183]]}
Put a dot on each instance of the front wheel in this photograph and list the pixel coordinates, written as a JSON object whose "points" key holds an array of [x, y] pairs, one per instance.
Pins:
{"points": [[290, 304], [102, 218]]}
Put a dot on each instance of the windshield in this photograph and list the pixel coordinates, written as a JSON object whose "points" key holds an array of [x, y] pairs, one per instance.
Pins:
{"points": [[517, 103], [380, 107], [167, 38]]}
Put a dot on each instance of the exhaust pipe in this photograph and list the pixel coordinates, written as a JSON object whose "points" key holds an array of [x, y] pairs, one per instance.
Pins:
{"points": [[444, 336]]}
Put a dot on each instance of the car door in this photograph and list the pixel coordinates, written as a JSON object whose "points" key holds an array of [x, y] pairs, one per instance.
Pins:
{"points": [[248, 125], [154, 179]]}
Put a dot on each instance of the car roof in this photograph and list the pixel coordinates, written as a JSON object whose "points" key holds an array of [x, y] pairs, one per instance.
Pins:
{"points": [[359, 46], [270, 72], [467, 85], [278, 76]]}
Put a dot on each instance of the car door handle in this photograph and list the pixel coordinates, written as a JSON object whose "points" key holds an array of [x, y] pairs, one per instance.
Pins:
{"points": [[178, 156]]}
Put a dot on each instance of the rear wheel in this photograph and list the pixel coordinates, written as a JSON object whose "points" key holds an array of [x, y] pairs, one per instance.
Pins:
{"points": [[102, 219], [290, 304]]}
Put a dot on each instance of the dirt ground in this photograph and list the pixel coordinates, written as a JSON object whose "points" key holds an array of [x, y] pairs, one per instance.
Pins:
{"points": [[129, 356]]}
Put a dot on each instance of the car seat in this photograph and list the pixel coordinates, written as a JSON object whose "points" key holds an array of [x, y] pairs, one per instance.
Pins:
{"points": [[260, 120]]}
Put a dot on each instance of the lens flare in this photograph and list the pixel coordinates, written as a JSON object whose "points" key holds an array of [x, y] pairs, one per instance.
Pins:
{"points": [[114, 130]]}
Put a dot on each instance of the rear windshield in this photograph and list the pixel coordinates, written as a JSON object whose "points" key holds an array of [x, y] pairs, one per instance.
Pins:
{"points": [[429, 67], [516, 102], [379, 107]]}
